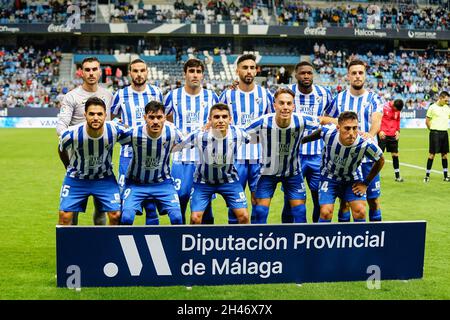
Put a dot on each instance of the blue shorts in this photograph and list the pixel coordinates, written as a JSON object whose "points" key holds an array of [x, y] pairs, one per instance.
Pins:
{"points": [[75, 193], [124, 162], [163, 193], [311, 170], [330, 189], [183, 175], [293, 187], [248, 172], [374, 188], [233, 193]]}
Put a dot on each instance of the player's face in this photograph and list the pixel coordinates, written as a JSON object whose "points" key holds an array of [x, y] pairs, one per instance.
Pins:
{"points": [[357, 76], [138, 73], [220, 119], [348, 131], [91, 72], [444, 100], [194, 77], [304, 76], [95, 117], [284, 106], [246, 71], [155, 121]]}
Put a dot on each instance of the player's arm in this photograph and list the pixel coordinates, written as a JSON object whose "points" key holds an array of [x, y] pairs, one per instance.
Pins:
{"points": [[65, 141], [65, 115], [428, 122], [361, 187], [375, 123], [312, 137], [64, 157]]}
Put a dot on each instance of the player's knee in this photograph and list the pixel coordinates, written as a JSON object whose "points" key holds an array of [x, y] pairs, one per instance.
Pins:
{"points": [[326, 213], [114, 217], [359, 211], [196, 218], [127, 217], [65, 218]]}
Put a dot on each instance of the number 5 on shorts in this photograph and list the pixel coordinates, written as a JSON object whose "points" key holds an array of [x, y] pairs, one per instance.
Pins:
{"points": [[65, 190]]}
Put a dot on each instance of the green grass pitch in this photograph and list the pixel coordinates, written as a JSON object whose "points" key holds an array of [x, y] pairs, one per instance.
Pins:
{"points": [[31, 177]]}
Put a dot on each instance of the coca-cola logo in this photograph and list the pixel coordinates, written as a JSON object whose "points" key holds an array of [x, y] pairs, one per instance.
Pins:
{"points": [[59, 28], [321, 31]]}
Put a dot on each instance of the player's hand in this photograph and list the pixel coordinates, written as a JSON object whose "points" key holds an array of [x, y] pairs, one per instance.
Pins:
{"points": [[365, 135], [382, 135], [359, 188], [397, 135]]}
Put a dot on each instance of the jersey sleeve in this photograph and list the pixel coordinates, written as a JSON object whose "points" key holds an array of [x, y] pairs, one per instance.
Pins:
{"points": [[187, 142], [311, 123], [253, 129], [115, 107], [215, 98], [430, 112], [65, 114], [332, 110], [270, 100], [168, 103], [159, 95], [123, 134], [223, 97], [373, 152], [378, 103], [66, 140], [328, 102]]}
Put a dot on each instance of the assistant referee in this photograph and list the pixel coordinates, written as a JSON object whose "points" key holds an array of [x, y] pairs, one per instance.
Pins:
{"points": [[438, 115]]}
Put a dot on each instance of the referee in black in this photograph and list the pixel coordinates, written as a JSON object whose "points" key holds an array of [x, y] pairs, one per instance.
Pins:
{"points": [[438, 115]]}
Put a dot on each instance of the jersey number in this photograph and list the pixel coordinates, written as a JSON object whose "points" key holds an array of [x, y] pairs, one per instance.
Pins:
{"points": [[324, 186], [65, 190]]}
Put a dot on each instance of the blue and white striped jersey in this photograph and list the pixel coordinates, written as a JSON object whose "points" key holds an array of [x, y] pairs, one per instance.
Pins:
{"points": [[246, 107], [317, 103], [364, 105], [342, 163], [91, 158], [190, 112], [151, 156], [280, 146], [216, 155], [130, 105]]}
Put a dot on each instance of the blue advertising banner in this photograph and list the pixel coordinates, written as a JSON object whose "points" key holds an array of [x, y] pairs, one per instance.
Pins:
{"points": [[233, 254]]}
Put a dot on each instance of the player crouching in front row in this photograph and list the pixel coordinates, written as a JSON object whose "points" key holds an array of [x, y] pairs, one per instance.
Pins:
{"points": [[215, 171], [89, 165], [340, 172]]}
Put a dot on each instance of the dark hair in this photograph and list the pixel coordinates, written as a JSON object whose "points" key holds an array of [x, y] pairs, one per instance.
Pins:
{"points": [[356, 62], [247, 56], [193, 63], [283, 90], [220, 106], [89, 59], [303, 63], [136, 61], [94, 101], [444, 94], [154, 107], [398, 104], [347, 115]]}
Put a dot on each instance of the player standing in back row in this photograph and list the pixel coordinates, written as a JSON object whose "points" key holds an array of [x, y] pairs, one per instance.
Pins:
{"points": [[129, 104], [369, 108], [247, 102], [313, 100], [187, 107]]}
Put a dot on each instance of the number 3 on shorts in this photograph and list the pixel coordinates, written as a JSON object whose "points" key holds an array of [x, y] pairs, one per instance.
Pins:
{"points": [[324, 186], [177, 184]]}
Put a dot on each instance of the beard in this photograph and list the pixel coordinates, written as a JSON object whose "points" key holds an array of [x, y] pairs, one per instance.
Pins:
{"points": [[139, 83], [303, 85], [247, 80], [357, 87]]}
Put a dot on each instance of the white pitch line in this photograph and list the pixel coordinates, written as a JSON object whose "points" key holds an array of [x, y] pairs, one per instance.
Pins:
{"points": [[415, 167]]}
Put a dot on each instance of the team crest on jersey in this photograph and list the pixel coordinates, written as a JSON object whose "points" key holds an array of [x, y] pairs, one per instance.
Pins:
{"points": [[192, 117], [319, 99], [151, 162], [258, 100], [94, 161]]}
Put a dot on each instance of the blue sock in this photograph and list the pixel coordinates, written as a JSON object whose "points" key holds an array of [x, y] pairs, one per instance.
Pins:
{"points": [[344, 216], [359, 220], [324, 220], [232, 217], [299, 213], [208, 217], [151, 216], [286, 214], [259, 215], [375, 215], [151, 221]]}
